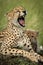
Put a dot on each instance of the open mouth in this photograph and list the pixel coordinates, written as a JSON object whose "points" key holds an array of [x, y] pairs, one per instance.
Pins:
{"points": [[21, 21]]}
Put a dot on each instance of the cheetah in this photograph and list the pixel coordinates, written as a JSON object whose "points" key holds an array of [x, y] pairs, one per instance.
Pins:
{"points": [[13, 36], [33, 35]]}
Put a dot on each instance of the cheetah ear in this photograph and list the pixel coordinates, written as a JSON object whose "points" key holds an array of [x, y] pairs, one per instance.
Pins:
{"points": [[37, 33], [8, 15]]}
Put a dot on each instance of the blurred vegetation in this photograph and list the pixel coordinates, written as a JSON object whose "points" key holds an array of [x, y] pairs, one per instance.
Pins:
{"points": [[15, 61], [34, 18]]}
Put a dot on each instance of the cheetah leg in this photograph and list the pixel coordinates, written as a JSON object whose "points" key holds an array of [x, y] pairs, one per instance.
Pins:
{"points": [[16, 52]]}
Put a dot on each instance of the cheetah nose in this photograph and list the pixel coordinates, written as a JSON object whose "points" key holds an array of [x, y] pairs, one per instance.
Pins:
{"points": [[25, 12]]}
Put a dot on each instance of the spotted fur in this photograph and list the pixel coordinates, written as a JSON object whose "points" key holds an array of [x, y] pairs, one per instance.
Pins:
{"points": [[32, 34], [13, 36]]}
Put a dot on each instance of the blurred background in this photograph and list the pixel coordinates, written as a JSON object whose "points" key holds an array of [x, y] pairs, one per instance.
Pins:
{"points": [[34, 18]]}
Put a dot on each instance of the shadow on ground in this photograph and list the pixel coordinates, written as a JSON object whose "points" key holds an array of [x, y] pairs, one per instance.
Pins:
{"points": [[4, 60], [11, 60]]}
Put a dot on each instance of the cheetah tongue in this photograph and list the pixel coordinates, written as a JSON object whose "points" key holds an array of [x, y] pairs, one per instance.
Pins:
{"points": [[22, 22]]}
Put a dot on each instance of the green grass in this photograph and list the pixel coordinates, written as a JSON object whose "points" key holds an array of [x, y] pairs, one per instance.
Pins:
{"points": [[34, 18]]}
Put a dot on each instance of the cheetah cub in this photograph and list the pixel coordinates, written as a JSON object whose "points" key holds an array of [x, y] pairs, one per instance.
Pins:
{"points": [[13, 36]]}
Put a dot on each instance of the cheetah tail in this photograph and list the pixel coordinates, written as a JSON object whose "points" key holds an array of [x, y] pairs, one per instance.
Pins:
{"points": [[16, 52]]}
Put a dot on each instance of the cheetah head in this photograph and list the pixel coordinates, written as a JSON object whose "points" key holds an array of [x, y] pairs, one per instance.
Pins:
{"points": [[32, 34], [17, 16]]}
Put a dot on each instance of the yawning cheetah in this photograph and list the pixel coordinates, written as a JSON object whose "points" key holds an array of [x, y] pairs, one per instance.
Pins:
{"points": [[13, 36]]}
